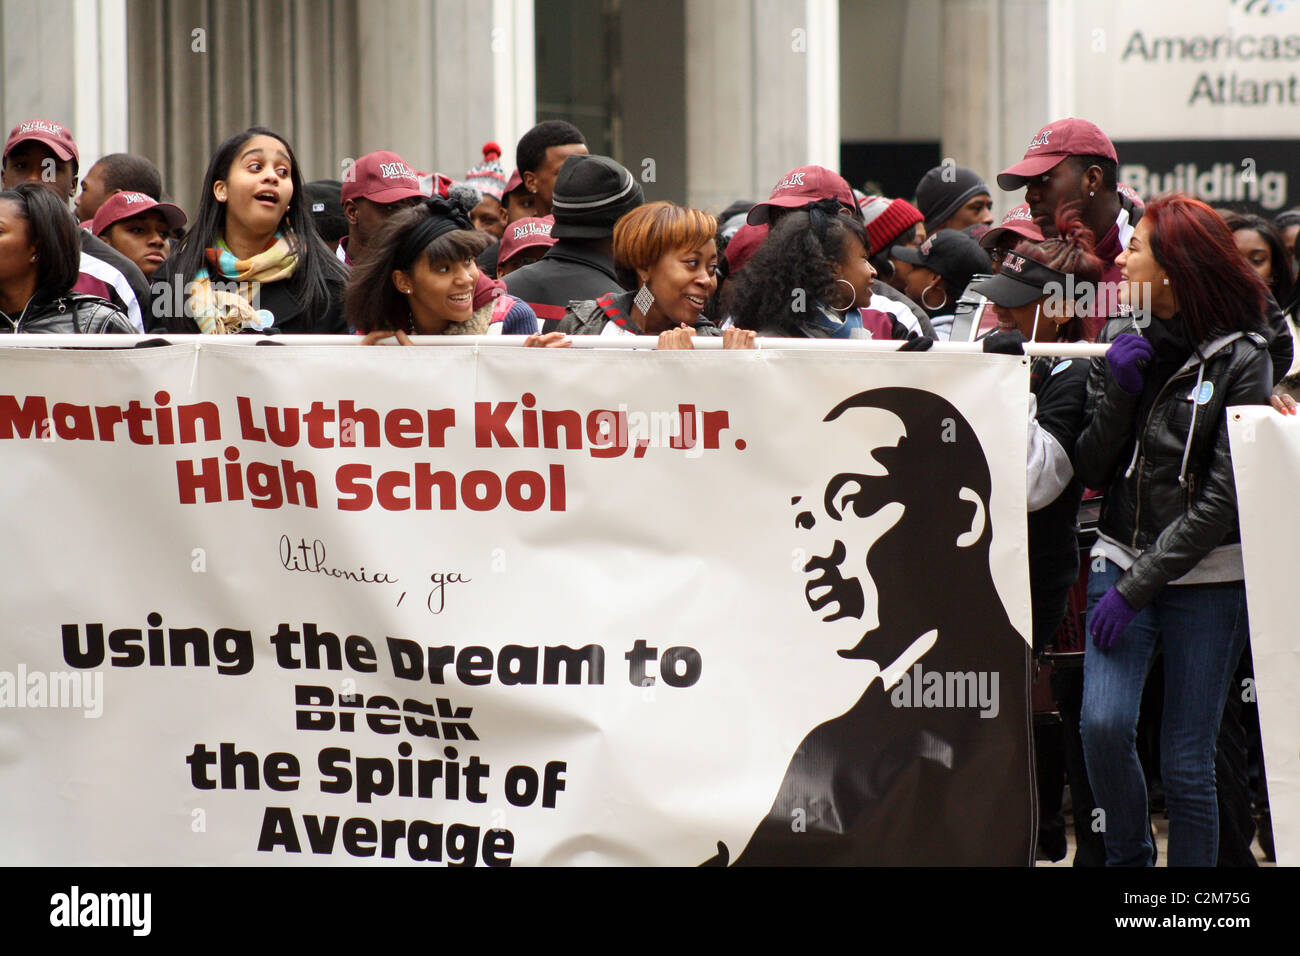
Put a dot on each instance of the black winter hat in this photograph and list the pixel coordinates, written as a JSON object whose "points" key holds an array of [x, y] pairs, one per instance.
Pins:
{"points": [[591, 194], [944, 190]]}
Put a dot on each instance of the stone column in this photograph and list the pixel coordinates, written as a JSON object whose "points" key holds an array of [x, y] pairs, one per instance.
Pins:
{"points": [[762, 94]]}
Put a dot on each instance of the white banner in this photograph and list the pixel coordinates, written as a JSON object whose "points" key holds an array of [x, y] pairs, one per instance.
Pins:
{"points": [[287, 605], [1265, 462]]}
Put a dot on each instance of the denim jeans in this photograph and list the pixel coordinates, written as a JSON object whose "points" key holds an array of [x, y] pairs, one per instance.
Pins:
{"points": [[1202, 629]]}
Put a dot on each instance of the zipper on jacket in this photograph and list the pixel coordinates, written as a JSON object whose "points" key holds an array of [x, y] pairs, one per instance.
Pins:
{"points": [[1137, 517]]}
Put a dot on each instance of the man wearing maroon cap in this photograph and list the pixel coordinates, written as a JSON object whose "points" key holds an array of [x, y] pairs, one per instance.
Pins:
{"points": [[800, 188], [1071, 160], [378, 185], [40, 151], [525, 241], [1016, 225]]}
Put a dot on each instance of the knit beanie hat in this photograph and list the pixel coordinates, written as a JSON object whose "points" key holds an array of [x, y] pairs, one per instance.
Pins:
{"points": [[591, 193], [887, 219], [944, 190], [489, 177]]}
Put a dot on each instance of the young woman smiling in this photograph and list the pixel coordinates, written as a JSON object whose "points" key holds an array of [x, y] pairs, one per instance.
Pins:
{"points": [[253, 259], [669, 255], [811, 278], [420, 277], [1167, 569]]}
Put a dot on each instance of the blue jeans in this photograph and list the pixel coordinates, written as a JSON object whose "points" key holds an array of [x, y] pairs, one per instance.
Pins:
{"points": [[1202, 629]]}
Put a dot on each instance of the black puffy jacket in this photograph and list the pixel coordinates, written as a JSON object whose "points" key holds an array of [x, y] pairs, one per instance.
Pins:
{"points": [[74, 312], [1169, 486]]}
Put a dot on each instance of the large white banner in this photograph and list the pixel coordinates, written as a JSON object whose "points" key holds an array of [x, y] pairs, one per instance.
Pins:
{"points": [[1265, 462], [506, 607]]}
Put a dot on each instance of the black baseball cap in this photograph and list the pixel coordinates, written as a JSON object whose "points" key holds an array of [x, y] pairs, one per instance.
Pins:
{"points": [[1021, 281], [952, 254]]}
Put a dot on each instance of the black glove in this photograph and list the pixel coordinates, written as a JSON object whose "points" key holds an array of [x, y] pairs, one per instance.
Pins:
{"points": [[917, 343], [1011, 342]]}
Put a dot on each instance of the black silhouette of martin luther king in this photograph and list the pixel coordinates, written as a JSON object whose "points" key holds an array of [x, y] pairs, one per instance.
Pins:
{"points": [[882, 784]]}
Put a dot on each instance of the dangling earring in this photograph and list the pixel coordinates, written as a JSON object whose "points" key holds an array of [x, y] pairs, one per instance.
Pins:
{"points": [[644, 299], [853, 295], [1092, 192], [933, 308]]}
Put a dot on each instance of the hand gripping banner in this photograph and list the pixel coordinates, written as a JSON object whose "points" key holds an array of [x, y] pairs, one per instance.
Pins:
{"points": [[435, 606]]}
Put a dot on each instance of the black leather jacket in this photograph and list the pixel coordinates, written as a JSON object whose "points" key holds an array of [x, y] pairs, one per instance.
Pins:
{"points": [[1169, 486], [74, 312]]}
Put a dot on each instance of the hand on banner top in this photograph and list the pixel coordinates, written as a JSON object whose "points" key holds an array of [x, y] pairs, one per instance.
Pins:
{"points": [[1284, 403], [377, 336], [734, 338], [678, 338], [1127, 357], [917, 343], [1010, 342], [551, 340]]}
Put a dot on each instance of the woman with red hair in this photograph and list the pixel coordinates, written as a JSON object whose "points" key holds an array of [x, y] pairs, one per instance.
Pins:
{"points": [[1166, 570]]}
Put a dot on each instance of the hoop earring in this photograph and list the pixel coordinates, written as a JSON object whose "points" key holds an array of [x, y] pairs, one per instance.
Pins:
{"points": [[644, 299], [933, 308], [853, 295]]}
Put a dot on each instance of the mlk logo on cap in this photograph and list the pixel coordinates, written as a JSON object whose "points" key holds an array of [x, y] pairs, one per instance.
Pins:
{"points": [[1014, 262], [1040, 139], [531, 229], [794, 179], [40, 126], [396, 171], [132, 198]]}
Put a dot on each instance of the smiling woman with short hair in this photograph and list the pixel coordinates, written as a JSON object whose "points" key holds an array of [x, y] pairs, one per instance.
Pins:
{"points": [[668, 254]]}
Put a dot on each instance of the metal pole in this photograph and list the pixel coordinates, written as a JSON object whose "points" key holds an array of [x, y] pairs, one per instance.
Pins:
{"points": [[701, 343]]}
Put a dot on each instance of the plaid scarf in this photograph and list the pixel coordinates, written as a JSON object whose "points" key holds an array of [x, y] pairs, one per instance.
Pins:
{"points": [[227, 306]]}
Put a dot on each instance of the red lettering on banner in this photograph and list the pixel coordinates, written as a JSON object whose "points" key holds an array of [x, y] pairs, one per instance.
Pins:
{"points": [[268, 485], [490, 425], [477, 490], [247, 430]]}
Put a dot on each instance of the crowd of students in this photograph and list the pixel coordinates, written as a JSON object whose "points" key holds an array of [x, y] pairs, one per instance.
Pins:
{"points": [[1195, 304]]}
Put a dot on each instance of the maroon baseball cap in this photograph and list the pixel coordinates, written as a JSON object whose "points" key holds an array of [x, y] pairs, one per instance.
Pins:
{"points": [[53, 135], [1017, 221], [125, 205], [523, 233], [381, 177], [803, 187], [1053, 143], [513, 183], [743, 245]]}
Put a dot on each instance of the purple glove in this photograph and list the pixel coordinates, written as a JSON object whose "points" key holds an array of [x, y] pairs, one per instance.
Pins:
{"points": [[1109, 618], [1127, 357]]}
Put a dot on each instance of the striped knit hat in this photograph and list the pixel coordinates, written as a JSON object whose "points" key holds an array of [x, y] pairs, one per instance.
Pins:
{"points": [[887, 219], [489, 177]]}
